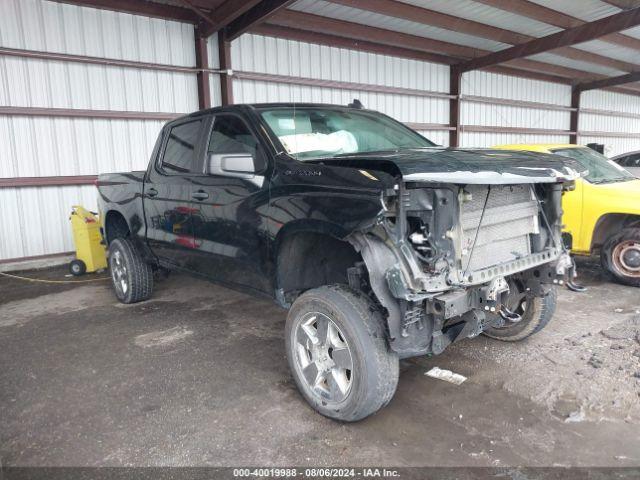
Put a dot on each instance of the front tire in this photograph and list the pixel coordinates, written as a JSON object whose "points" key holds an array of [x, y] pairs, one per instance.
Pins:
{"points": [[620, 256], [536, 313], [338, 353], [131, 276]]}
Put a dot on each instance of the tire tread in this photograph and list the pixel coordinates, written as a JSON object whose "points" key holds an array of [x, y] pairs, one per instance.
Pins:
{"points": [[140, 272], [386, 363]]}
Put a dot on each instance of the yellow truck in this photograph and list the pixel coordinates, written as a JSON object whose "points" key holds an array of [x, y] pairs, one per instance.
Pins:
{"points": [[602, 214]]}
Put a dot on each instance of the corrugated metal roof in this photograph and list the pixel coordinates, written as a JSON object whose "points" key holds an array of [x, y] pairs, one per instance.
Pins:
{"points": [[611, 50], [577, 64], [587, 10], [632, 32], [488, 15], [332, 10]]}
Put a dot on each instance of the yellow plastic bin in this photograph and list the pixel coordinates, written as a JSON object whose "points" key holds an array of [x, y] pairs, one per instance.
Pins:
{"points": [[90, 252]]}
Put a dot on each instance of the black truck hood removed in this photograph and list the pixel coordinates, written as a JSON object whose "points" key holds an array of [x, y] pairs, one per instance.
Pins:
{"points": [[465, 166]]}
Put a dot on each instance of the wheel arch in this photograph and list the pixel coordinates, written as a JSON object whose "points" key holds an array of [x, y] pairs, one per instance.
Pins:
{"points": [[115, 226], [611, 222], [310, 254]]}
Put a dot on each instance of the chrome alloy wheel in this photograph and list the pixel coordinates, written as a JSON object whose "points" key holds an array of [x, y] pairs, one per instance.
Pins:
{"points": [[119, 272], [323, 357], [626, 258]]}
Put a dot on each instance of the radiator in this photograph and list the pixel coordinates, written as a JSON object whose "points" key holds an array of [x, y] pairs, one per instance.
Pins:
{"points": [[510, 217]]}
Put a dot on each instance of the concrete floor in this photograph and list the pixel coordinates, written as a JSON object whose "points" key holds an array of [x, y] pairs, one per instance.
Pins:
{"points": [[198, 376]]}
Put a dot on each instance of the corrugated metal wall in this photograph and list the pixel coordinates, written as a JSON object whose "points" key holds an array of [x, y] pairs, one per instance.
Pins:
{"points": [[35, 219], [255, 53], [498, 86], [214, 63], [613, 102]]}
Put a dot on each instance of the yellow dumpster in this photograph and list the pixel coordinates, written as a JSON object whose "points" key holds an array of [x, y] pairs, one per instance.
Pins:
{"points": [[90, 252]]}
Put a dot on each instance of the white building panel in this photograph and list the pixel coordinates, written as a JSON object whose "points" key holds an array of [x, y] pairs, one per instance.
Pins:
{"points": [[56, 84], [488, 114], [491, 139], [35, 219], [62, 28], [604, 100], [214, 63], [611, 101], [486, 84], [515, 88], [255, 53]]}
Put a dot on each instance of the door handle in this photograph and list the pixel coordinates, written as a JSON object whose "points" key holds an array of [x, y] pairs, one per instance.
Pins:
{"points": [[200, 195], [152, 192]]}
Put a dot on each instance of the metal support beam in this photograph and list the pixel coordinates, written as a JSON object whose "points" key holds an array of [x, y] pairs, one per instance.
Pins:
{"points": [[226, 13], [413, 13], [339, 41], [557, 18], [226, 81], [257, 15], [574, 116], [83, 113], [609, 82], [202, 62], [148, 9], [455, 77], [218, 18], [572, 36], [362, 33]]}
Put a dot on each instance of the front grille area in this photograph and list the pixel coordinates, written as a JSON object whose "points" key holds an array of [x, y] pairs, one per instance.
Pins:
{"points": [[511, 216]]}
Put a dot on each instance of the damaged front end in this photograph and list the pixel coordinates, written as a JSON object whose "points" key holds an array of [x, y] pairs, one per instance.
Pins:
{"points": [[444, 259]]}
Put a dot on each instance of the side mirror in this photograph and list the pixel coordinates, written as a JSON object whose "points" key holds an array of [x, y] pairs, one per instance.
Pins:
{"points": [[240, 165]]}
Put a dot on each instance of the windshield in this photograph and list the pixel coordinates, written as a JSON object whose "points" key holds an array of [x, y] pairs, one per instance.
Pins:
{"points": [[601, 169], [325, 132]]}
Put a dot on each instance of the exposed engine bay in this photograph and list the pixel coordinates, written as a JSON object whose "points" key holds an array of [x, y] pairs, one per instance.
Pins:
{"points": [[444, 259]]}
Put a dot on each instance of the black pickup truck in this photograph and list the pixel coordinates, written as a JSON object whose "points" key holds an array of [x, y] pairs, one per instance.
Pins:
{"points": [[381, 244]]}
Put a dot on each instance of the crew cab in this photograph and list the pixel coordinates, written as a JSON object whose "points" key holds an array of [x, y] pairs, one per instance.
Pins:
{"points": [[379, 243], [602, 214]]}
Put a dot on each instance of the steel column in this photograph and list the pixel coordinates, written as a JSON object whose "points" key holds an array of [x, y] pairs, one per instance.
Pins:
{"points": [[226, 81], [575, 115], [455, 77], [202, 62]]}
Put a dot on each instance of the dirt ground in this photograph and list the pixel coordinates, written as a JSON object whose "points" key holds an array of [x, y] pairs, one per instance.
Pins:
{"points": [[198, 376]]}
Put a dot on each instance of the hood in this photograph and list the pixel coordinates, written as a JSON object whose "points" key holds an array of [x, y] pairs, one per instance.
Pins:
{"points": [[466, 166], [629, 191]]}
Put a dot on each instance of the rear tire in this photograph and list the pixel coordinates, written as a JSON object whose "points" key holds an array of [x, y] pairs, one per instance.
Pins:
{"points": [[537, 313], [131, 276], [338, 354], [620, 256]]}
